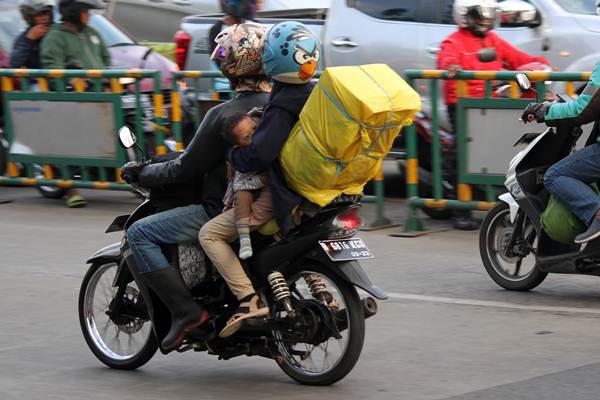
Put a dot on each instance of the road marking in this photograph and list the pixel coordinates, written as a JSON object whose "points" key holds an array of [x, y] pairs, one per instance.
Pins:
{"points": [[494, 304]]}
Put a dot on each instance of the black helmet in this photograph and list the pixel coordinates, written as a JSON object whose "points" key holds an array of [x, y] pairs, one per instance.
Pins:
{"points": [[30, 8], [70, 10]]}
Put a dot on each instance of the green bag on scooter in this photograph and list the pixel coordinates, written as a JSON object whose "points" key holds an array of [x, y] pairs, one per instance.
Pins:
{"points": [[560, 223]]}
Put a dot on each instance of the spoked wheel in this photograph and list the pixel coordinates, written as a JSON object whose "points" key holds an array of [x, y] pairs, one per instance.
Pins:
{"points": [[49, 192], [123, 341], [515, 269], [319, 358]]}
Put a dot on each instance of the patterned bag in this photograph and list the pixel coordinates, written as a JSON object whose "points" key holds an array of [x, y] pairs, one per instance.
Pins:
{"points": [[192, 263]]}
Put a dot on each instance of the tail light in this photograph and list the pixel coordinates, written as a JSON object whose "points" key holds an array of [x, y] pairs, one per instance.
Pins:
{"points": [[346, 224], [182, 45]]}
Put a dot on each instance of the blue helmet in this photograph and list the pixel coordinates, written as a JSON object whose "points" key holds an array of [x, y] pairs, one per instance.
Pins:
{"points": [[291, 53]]}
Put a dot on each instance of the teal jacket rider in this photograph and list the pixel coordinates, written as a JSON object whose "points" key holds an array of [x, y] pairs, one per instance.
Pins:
{"points": [[583, 110]]}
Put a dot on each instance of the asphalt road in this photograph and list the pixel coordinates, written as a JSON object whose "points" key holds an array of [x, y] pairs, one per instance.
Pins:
{"points": [[447, 332]]}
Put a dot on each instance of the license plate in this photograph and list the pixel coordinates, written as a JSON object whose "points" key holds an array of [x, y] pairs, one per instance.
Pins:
{"points": [[345, 249]]}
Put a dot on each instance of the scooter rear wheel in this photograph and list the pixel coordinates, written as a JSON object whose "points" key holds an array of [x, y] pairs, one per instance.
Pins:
{"points": [[518, 272]]}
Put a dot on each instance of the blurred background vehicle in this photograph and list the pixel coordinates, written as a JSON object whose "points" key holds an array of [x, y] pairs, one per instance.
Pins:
{"points": [[566, 32], [125, 51], [160, 18]]}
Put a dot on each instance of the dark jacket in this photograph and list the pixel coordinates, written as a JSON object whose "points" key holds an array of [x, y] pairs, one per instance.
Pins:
{"points": [[279, 116], [26, 52], [204, 158]]}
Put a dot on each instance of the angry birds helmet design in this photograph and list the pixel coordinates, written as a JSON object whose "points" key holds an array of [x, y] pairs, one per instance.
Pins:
{"points": [[291, 53]]}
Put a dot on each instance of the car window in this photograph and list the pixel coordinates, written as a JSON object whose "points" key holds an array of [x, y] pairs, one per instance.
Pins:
{"points": [[398, 10], [111, 35], [578, 6], [446, 14]]}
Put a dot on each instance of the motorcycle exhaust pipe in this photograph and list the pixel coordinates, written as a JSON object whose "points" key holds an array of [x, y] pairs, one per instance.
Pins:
{"points": [[369, 306]]}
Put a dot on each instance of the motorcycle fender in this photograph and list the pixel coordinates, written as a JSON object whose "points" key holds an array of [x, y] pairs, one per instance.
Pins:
{"points": [[512, 204], [352, 272], [112, 252]]}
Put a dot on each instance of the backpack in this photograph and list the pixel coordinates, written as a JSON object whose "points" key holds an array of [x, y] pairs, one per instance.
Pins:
{"points": [[345, 129]]}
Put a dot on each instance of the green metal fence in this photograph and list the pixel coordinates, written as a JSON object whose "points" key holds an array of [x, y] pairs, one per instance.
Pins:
{"points": [[464, 199], [40, 91], [104, 86]]}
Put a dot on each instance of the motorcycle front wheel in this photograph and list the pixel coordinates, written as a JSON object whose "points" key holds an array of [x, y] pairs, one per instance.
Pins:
{"points": [[49, 192], [124, 341], [332, 359], [517, 272]]}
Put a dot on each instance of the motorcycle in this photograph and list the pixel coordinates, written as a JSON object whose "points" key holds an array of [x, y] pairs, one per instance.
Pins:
{"points": [[516, 251], [316, 325]]}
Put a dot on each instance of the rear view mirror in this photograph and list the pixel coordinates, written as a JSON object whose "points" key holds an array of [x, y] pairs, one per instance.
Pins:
{"points": [[523, 81], [517, 13], [126, 137], [487, 54]]}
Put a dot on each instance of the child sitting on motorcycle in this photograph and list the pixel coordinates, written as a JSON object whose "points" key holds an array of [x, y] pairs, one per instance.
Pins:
{"points": [[290, 57], [247, 192], [570, 178]]}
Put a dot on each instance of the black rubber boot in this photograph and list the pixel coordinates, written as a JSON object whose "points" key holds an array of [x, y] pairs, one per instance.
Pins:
{"points": [[186, 314]]}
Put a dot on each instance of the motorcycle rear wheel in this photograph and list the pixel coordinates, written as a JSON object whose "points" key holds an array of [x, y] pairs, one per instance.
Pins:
{"points": [[126, 345], [305, 370], [494, 234]]}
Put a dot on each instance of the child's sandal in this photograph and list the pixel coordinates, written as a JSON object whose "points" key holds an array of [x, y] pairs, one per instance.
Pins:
{"points": [[250, 307]]}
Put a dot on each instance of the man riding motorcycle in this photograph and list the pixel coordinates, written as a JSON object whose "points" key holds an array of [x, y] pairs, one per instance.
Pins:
{"points": [[204, 161], [26, 49], [459, 51], [570, 178]]}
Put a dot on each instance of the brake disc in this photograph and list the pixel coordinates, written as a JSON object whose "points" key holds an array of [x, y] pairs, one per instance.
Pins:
{"points": [[502, 241]]}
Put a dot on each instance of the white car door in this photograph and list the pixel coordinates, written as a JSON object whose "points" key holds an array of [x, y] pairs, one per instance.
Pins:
{"points": [[393, 32]]}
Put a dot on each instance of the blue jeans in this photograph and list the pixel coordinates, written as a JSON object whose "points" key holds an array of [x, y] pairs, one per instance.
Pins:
{"points": [[177, 225], [569, 181]]}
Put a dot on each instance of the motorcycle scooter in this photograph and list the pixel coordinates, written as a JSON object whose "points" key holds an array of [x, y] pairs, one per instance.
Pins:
{"points": [[516, 252], [316, 326]]}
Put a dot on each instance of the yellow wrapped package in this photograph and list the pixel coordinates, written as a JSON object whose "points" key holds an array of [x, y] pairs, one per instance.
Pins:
{"points": [[346, 128]]}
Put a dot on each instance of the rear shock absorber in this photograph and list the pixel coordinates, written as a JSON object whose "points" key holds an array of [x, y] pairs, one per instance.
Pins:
{"points": [[319, 291], [281, 291]]}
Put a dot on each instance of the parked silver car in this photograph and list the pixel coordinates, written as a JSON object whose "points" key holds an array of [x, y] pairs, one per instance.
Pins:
{"points": [[406, 34]]}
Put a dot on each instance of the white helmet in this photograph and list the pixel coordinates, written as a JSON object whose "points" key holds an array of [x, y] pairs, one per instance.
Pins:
{"points": [[478, 16]]}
